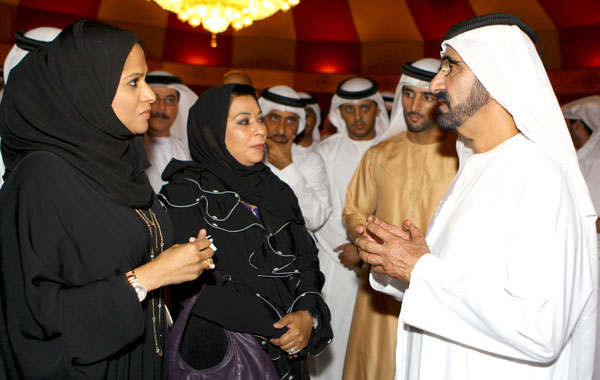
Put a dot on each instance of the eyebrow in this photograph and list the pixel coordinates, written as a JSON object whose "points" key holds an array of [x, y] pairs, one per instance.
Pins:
{"points": [[451, 60], [132, 75], [241, 113]]}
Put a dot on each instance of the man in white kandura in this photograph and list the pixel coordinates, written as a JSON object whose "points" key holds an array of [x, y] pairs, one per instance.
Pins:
{"points": [[310, 137], [389, 99], [302, 169], [505, 284], [583, 118], [358, 112], [167, 128]]}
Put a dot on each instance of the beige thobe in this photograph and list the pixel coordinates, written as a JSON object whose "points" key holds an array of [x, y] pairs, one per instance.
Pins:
{"points": [[395, 180]]}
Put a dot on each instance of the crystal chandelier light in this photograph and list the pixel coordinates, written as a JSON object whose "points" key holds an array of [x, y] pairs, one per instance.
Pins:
{"points": [[216, 15]]}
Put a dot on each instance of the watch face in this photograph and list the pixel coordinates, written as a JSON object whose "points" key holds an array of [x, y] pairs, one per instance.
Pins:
{"points": [[141, 291]]}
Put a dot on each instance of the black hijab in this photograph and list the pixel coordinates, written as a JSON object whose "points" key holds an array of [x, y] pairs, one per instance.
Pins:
{"points": [[59, 100], [255, 184]]}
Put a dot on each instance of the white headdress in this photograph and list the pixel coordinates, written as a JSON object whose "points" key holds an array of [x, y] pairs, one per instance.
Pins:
{"points": [[414, 74], [283, 99], [311, 102], [187, 98], [505, 60], [25, 43], [388, 98], [588, 110], [353, 90]]}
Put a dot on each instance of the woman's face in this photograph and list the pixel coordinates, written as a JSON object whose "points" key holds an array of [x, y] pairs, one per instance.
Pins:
{"points": [[246, 132], [132, 100]]}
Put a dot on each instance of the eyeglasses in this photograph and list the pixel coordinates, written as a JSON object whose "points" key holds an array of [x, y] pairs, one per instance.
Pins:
{"points": [[449, 65], [169, 100]]}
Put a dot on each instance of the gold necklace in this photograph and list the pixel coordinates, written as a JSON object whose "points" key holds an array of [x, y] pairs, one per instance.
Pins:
{"points": [[155, 231]]}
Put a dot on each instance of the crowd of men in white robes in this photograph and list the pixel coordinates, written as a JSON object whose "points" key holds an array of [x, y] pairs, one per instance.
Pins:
{"points": [[493, 257]]}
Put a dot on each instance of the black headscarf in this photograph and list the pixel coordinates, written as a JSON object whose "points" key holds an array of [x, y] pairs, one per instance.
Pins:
{"points": [[255, 184], [59, 100]]}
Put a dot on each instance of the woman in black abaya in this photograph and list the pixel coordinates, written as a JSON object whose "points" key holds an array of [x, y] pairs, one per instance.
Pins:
{"points": [[81, 231], [267, 280]]}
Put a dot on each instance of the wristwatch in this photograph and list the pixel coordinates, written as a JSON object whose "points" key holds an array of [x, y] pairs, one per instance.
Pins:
{"points": [[140, 289], [315, 320]]}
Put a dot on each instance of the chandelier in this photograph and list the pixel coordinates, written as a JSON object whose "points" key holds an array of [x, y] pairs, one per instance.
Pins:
{"points": [[216, 15]]}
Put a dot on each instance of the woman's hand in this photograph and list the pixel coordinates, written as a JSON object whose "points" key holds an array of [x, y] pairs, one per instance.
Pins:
{"points": [[299, 326], [180, 263]]}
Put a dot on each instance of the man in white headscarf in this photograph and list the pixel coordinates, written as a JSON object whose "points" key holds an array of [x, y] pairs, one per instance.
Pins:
{"points": [[358, 112], [505, 284], [402, 177], [303, 170], [575, 112], [582, 114], [26, 41], [388, 100], [310, 136], [166, 137]]}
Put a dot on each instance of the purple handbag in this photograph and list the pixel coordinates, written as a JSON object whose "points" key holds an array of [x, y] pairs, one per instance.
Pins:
{"points": [[244, 358]]}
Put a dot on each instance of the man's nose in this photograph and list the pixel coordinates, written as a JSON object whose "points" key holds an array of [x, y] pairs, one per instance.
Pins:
{"points": [[415, 105], [437, 83]]}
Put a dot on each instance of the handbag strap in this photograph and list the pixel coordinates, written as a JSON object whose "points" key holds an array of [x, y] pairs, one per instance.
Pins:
{"points": [[176, 333]]}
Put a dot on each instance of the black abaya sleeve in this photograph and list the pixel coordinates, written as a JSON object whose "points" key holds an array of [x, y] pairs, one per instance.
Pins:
{"points": [[308, 291], [63, 253]]}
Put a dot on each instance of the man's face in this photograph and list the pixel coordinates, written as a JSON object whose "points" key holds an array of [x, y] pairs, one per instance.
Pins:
{"points": [[420, 108], [459, 91], [580, 134], [164, 111], [281, 126], [311, 121], [360, 119]]}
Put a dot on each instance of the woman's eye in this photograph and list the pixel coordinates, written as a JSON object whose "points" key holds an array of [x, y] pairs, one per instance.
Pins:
{"points": [[261, 119], [134, 82], [243, 122]]}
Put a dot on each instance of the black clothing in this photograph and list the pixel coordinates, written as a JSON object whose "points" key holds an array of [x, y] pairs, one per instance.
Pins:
{"points": [[68, 226], [256, 184], [265, 267], [59, 100], [68, 309]]}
